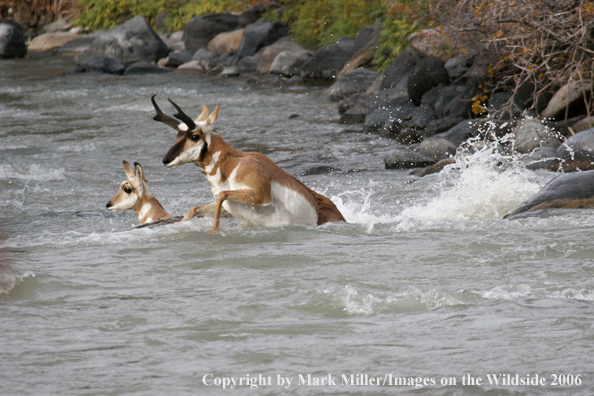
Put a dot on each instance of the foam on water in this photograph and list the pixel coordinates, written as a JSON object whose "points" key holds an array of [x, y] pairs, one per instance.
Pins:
{"points": [[353, 301], [10, 279], [31, 172]]}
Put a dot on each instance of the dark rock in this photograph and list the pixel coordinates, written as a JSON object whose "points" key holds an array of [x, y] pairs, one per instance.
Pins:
{"points": [[354, 81], [130, 42], [435, 168], [248, 64], [257, 36], [409, 135], [398, 110], [352, 101], [437, 148], [319, 170], [178, 58], [12, 41], [430, 97], [400, 68], [406, 159], [456, 100], [460, 133], [354, 115], [251, 16], [326, 62], [201, 29], [440, 125], [501, 106], [578, 147], [144, 68], [421, 117], [569, 190], [427, 73], [101, 64]]}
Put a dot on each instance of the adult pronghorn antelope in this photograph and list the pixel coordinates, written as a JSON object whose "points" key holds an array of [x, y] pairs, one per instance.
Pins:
{"points": [[250, 186], [134, 194]]}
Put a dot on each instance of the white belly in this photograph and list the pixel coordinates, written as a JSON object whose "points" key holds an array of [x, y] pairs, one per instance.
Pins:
{"points": [[287, 208]]}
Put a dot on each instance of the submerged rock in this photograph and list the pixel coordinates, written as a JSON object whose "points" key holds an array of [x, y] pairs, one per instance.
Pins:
{"points": [[568, 190], [407, 159], [101, 64]]}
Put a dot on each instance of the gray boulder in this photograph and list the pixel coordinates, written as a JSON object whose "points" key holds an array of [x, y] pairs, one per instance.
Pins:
{"points": [[399, 109], [201, 29], [12, 41], [257, 36], [531, 134], [426, 74], [354, 81], [397, 73], [407, 159], [437, 148], [270, 53], [177, 58], [133, 41], [569, 190], [77, 46], [576, 153], [101, 64], [327, 62], [461, 132], [288, 63]]}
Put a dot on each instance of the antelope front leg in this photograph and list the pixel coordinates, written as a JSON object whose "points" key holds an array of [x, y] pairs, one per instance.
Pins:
{"points": [[245, 196], [204, 210]]}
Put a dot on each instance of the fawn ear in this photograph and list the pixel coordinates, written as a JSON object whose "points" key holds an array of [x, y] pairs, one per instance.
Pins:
{"points": [[139, 173], [213, 116], [129, 170], [204, 115]]}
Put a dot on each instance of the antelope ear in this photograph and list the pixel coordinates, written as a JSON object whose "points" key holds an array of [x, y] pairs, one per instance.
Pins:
{"points": [[139, 173], [204, 115], [213, 116], [129, 170]]}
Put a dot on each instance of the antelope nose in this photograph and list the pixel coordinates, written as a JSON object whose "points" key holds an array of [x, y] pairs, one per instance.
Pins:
{"points": [[166, 161]]}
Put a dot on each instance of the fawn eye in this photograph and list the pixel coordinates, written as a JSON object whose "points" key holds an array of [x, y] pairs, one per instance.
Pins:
{"points": [[195, 138], [128, 190]]}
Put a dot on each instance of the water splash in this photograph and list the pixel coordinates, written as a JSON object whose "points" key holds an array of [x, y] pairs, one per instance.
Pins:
{"points": [[483, 184]]}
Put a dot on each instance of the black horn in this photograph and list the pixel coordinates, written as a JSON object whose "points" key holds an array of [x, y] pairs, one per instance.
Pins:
{"points": [[183, 116], [164, 118]]}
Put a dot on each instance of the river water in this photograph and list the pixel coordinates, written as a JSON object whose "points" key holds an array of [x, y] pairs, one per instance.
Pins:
{"points": [[425, 291]]}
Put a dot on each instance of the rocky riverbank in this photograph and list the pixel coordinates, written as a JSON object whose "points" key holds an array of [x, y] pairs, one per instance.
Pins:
{"points": [[429, 103]]}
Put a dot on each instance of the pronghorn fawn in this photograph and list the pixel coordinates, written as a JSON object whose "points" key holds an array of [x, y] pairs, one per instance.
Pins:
{"points": [[249, 186], [135, 195]]}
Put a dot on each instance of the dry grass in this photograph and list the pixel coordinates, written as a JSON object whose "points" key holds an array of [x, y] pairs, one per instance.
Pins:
{"points": [[548, 43]]}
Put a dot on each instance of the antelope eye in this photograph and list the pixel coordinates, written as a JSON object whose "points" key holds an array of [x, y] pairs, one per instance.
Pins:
{"points": [[195, 138], [128, 190]]}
